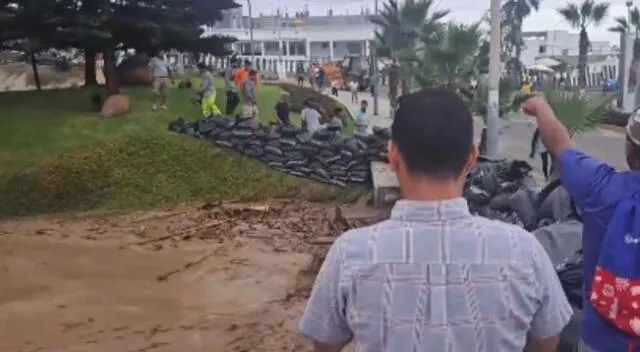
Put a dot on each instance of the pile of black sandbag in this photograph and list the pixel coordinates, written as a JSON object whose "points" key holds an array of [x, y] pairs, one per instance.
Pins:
{"points": [[505, 190], [326, 156]]}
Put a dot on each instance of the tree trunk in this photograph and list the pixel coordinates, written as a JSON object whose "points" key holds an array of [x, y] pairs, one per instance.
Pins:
{"points": [[36, 74], [110, 72], [393, 85], [518, 47], [406, 86], [90, 68], [582, 59]]}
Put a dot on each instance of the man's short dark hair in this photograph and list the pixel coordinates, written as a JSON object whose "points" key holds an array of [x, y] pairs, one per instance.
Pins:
{"points": [[252, 73], [433, 130]]}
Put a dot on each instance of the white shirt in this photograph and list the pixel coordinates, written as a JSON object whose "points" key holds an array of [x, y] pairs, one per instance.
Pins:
{"points": [[311, 117], [353, 85]]}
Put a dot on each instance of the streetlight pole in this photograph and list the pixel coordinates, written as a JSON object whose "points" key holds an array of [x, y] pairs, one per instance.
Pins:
{"points": [[493, 102], [374, 62], [251, 43]]}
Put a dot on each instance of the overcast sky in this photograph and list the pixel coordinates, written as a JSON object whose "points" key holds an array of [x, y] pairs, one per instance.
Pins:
{"points": [[461, 11]]}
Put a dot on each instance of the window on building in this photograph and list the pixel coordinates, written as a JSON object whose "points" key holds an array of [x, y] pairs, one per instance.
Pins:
{"points": [[565, 52], [542, 49]]}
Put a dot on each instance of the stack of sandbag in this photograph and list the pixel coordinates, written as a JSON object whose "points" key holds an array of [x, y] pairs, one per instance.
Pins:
{"points": [[325, 156]]}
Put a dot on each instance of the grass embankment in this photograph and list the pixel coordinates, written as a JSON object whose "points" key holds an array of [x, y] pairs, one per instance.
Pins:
{"points": [[58, 156]]}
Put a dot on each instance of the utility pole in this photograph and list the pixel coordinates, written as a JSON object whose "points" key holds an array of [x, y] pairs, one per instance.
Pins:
{"points": [[493, 102], [251, 43], [375, 73]]}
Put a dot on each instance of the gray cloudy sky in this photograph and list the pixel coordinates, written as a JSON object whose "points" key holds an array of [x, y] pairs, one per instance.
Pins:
{"points": [[461, 11]]}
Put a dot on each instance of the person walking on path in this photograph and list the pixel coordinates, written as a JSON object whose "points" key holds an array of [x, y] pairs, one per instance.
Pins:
{"points": [[161, 80], [537, 147], [207, 92], [250, 97], [434, 277], [232, 98], [361, 119], [610, 205]]}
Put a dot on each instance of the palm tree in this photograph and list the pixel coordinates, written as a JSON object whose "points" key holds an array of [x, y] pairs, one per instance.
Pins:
{"points": [[449, 56], [400, 30], [630, 26], [580, 17], [514, 12]]}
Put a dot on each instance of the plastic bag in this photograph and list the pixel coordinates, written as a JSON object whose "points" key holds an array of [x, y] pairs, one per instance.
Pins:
{"points": [[560, 240]]}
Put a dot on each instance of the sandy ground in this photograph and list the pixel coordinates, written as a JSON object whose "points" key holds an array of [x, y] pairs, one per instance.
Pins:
{"points": [[19, 77], [229, 277]]}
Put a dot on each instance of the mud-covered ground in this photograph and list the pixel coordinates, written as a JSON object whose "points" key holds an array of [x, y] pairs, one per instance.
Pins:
{"points": [[218, 277]]}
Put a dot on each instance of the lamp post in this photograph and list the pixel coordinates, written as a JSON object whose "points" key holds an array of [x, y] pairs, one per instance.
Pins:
{"points": [[374, 62], [251, 43], [493, 102]]}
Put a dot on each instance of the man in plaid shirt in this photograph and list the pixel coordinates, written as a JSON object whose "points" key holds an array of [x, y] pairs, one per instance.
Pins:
{"points": [[433, 277]]}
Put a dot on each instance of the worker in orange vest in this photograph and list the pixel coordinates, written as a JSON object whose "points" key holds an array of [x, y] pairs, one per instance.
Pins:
{"points": [[242, 74]]}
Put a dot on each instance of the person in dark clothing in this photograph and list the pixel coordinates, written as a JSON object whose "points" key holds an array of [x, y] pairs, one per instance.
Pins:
{"points": [[320, 79], [300, 72], [233, 99], [538, 147], [282, 110]]}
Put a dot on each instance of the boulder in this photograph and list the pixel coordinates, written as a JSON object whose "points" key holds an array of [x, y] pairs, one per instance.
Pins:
{"points": [[134, 71], [115, 106]]}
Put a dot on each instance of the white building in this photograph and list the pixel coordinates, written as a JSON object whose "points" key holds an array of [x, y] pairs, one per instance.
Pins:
{"points": [[293, 38], [557, 43]]}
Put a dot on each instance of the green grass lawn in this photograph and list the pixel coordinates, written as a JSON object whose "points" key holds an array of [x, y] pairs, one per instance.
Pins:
{"points": [[58, 156]]}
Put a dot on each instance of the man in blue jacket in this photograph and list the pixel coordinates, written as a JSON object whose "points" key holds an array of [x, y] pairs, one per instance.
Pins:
{"points": [[597, 189]]}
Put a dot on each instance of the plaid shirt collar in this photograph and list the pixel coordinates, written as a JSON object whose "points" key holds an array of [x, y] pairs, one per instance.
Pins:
{"points": [[426, 211]]}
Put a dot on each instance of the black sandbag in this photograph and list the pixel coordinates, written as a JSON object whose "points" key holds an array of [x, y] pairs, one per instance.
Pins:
{"points": [[249, 123], [560, 240], [295, 173], [322, 135], [224, 143], [288, 130], [359, 173], [253, 152], [260, 133], [275, 165], [351, 144], [267, 157], [256, 143], [206, 126], [225, 135], [273, 150], [302, 169], [357, 180], [223, 121], [288, 142], [382, 132], [336, 142], [214, 134], [308, 150], [272, 135], [524, 203], [293, 155], [238, 142], [189, 131], [293, 163], [500, 202], [517, 169], [328, 160], [177, 124], [486, 176], [476, 197], [321, 172], [570, 273], [555, 203], [303, 137], [345, 154], [242, 132], [318, 143]]}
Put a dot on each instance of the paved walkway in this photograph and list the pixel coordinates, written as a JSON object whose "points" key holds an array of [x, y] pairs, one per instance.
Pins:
{"points": [[515, 139]]}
